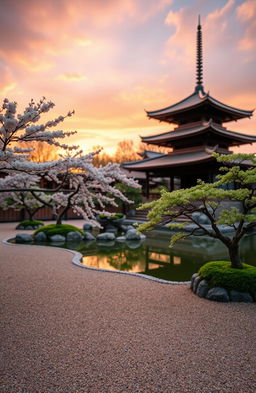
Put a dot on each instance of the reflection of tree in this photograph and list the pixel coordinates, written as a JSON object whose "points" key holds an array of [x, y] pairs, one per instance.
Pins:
{"points": [[127, 259]]}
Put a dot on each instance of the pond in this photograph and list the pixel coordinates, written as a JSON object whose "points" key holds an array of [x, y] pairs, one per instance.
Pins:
{"points": [[153, 256]]}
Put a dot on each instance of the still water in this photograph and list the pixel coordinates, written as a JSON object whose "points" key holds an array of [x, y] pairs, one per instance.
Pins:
{"points": [[154, 257]]}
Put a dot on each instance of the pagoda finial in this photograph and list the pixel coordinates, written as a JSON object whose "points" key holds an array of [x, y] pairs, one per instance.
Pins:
{"points": [[199, 60]]}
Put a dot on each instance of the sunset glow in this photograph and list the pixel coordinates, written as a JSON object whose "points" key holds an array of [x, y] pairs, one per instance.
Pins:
{"points": [[109, 60]]}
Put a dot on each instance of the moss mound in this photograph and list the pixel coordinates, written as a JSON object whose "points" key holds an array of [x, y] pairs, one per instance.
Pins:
{"points": [[29, 223], [117, 216], [220, 274], [58, 229]]}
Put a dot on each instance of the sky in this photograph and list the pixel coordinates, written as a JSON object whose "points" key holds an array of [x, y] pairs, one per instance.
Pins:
{"points": [[110, 60]]}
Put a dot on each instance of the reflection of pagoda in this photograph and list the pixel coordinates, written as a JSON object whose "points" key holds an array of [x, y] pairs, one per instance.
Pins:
{"points": [[199, 132]]}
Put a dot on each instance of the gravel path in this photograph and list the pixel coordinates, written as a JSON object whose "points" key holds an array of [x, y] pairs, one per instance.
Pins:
{"points": [[71, 330]]}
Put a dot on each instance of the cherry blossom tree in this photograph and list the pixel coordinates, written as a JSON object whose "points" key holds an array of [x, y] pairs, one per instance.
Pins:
{"points": [[77, 182], [23, 200]]}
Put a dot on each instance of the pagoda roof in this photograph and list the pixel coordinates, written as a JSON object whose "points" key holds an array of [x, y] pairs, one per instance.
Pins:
{"points": [[198, 129], [198, 100], [150, 154], [170, 160]]}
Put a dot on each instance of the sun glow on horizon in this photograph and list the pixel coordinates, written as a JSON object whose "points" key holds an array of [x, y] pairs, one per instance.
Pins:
{"points": [[110, 61]]}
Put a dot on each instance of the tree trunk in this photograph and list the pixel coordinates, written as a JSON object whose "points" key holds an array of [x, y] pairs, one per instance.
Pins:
{"points": [[30, 215], [61, 215], [235, 257]]}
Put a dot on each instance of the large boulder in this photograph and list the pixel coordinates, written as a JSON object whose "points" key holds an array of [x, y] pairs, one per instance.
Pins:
{"points": [[132, 234], [111, 229], [40, 237], [236, 296], [74, 236], [218, 294], [87, 227], [57, 239], [106, 236], [23, 238], [193, 279], [202, 288], [195, 283], [88, 236]]}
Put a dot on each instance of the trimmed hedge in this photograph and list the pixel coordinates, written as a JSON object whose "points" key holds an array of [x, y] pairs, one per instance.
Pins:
{"points": [[58, 229], [220, 274]]}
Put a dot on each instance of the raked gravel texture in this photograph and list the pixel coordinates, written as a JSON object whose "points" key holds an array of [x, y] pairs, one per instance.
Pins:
{"points": [[72, 330]]}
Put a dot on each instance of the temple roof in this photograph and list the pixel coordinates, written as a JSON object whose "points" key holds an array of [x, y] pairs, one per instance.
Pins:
{"points": [[170, 160], [184, 132], [150, 154], [205, 103]]}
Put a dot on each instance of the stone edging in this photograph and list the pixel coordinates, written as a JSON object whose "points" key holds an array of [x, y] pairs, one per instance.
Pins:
{"points": [[200, 287], [76, 260]]}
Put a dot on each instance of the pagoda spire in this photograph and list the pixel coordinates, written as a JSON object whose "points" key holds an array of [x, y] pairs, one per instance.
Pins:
{"points": [[199, 60]]}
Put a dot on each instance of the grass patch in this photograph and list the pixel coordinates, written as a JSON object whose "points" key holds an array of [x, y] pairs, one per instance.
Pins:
{"points": [[30, 223], [58, 229], [220, 274]]}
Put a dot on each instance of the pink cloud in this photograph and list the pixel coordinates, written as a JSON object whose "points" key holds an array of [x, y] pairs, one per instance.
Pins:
{"points": [[246, 13]]}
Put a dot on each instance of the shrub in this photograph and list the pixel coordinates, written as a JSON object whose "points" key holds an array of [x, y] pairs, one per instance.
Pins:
{"points": [[30, 223], [220, 274], [58, 229]]}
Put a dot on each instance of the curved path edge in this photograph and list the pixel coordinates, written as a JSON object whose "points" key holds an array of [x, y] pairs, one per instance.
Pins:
{"points": [[76, 260]]}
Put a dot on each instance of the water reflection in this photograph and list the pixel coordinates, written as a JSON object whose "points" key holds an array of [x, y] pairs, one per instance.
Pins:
{"points": [[154, 257]]}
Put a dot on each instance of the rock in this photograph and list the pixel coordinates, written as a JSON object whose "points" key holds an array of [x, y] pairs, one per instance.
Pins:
{"points": [[202, 288], [87, 227], [130, 227], [29, 227], [192, 279], [40, 237], [142, 237], [121, 239], [57, 239], [133, 244], [218, 294], [88, 236], [106, 236], [200, 218], [23, 238], [74, 236], [196, 282], [19, 226], [111, 229], [132, 234], [124, 228], [236, 296]]}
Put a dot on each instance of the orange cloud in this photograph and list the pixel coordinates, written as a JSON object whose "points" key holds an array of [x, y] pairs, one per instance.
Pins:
{"points": [[71, 76]]}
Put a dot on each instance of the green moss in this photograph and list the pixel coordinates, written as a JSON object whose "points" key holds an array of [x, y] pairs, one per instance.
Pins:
{"points": [[61, 229], [117, 216], [220, 274], [28, 223]]}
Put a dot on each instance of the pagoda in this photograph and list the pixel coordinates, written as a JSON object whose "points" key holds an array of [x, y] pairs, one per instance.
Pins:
{"points": [[199, 132]]}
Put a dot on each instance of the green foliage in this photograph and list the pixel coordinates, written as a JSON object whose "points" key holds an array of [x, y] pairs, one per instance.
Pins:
{"points": [[133, 194], [32, 223], [229, 217], [58, 229], [178, 236], [206, 197], [117, 216], [158, 189], [220, 274]]}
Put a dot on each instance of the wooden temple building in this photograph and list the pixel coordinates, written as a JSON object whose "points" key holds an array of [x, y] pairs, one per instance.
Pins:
{"points": [[199, 120]]}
